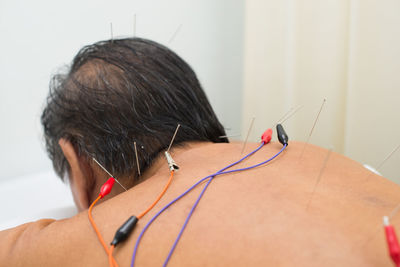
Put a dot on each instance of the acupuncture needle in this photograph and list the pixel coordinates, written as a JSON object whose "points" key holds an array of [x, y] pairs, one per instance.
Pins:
{"points": [[383, 162], [137, 158], [173, 137], [284, 116], [171, 163], [248, 134], [175, 33], [293, 113], [112, 35], [312, 128], [319, 176], [134, 25], [388, 157], [228, 136], [104, 169]]}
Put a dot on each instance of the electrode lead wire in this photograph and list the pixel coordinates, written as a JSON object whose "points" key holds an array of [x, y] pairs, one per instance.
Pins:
{"points": [[222, 171]]}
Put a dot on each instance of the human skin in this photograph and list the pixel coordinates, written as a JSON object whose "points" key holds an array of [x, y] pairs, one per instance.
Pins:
{"points": [[254, 218]]}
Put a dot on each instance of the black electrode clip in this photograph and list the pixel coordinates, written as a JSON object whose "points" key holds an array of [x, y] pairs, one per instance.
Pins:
{"points": [[282, 136], [124, 231]]}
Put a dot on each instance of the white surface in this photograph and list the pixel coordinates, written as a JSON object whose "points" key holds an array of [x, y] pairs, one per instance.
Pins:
{"points": [[38, 37], [372, 169], [34, 197]]}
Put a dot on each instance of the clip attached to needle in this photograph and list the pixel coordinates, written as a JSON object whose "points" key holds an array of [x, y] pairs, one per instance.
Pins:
{"points": [[171, 163]]}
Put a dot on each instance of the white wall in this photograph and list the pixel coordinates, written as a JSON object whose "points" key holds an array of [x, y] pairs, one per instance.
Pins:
{"points": [[37, 37], [373, 124], [299, 52], [295, 55]]}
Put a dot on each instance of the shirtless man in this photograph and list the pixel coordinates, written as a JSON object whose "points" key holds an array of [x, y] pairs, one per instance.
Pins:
{"points": [[134, 90]]}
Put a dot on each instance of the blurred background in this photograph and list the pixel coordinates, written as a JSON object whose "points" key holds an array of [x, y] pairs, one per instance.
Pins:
{"points": [[255, 59]]}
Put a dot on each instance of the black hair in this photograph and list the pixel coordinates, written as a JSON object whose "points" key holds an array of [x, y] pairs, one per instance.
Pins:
{"points": [[122, 91]]}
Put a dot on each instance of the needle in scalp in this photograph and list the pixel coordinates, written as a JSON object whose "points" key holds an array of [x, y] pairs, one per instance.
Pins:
{"points": [[171, 163], [173, 137], [319, 176], [227, 136], [104, 169], [111, 30], [137, 158], [134, 25], [312, 128], [248, 134], [175, 33]]}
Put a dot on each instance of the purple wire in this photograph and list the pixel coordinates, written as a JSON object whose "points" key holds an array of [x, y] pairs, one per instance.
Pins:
{"points": [[180, 196], [198, 200], [191, 188]]}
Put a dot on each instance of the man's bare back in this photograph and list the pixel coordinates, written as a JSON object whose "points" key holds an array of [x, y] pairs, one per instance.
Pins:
{"points": [[252, 218]]}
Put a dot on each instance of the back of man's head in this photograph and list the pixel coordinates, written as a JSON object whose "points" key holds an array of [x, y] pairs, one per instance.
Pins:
{"points": [[124, 91]]}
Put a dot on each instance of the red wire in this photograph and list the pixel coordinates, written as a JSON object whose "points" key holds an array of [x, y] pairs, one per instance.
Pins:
{"points": [[393, 244]]}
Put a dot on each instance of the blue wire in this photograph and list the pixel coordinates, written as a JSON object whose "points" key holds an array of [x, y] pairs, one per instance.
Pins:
{"points": [[198, 200], [179, 197], [186, 222], [222, 171]]}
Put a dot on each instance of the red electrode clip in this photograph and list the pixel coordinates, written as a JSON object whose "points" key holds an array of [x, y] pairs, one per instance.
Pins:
{"points": [[393, 243], [106, 187], [267, 136]]}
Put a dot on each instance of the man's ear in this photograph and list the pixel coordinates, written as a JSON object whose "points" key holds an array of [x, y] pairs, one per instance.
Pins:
{"points": [[79, 175]]}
